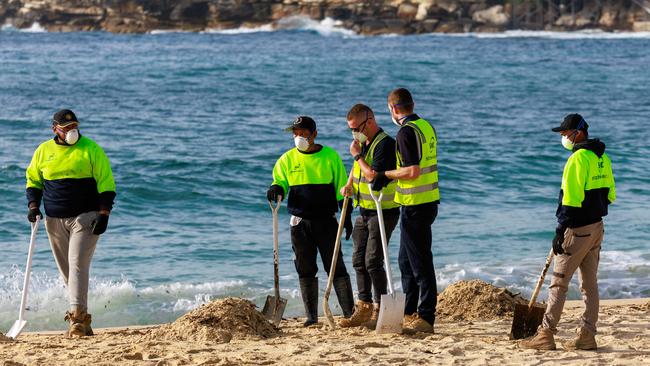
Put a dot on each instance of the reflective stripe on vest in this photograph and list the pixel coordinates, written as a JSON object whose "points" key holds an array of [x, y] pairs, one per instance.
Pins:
{"points": [[361, 192], [424, 189]]}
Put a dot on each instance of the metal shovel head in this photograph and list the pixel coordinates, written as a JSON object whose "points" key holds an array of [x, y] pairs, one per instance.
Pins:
{"points": [[269, 311], [525, 322], [16, 328], [391, 314]]}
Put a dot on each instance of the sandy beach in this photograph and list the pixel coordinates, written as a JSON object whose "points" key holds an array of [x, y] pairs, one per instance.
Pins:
{"points": [[623, 339]]}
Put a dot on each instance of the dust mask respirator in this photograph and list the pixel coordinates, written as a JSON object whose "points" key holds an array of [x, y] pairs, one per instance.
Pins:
{"points": [[302, 143], [359, 136], [72, 136]]}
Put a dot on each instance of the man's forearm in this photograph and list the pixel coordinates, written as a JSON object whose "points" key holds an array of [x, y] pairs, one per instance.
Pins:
{"points": [[405, 173]]}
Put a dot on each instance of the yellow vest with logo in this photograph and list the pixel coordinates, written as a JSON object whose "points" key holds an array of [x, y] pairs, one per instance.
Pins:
{"points": [[424, 189], [361, 187]]}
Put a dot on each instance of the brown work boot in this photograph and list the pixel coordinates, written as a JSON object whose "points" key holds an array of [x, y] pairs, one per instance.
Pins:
{"points": [[584, 341], [542, 340], [372, 323], [408, 319], [79, 324], [361, 315], [418, 324]]}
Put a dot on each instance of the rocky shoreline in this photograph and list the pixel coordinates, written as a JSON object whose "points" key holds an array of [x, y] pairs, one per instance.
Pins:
{"points": [[370, 17]]}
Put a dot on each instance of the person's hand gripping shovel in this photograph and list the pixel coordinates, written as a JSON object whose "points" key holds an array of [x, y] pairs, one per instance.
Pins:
{"points": [[391, 309], [274, 305], [21, 322]]}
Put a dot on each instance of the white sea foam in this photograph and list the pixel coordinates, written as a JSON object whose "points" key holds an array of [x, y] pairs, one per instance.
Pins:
{"points": [[168, 31], [581, 34], [34, 28], [242, 30], [112, 302], [326, 27]]}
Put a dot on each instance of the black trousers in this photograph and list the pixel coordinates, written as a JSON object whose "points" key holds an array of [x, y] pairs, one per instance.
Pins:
{"points": [[416, 260], [312, 236], [368, 255]]}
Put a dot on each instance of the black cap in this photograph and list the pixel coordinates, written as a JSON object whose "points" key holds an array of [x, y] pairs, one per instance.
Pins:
{"points": [[572, 122], [64, 117], [302, 122]]}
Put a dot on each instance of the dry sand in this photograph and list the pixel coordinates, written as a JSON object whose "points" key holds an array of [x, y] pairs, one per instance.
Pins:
{"points": [[624, 339]]}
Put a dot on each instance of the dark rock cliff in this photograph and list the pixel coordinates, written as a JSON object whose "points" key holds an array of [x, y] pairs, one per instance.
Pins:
{"points": [[365, 17]]}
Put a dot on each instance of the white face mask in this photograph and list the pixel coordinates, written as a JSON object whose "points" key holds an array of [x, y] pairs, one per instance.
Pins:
{"points": [[301, 143], [567, 143], [72, 136], [359, 136]]}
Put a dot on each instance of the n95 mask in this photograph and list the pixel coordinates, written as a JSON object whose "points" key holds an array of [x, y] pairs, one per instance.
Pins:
{"points": [[301, 143], [72, 136]]}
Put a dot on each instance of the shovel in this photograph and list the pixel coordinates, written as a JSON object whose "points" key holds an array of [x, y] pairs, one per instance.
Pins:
{"points": [[391, 309], [330, 279], [528, 317], [274, 305], [21, 322]]}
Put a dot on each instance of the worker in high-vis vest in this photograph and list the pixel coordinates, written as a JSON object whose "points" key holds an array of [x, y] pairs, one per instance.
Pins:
{"points": [[373, 150], [586, 192], [72, 176], [417, 192], [312, 175]]}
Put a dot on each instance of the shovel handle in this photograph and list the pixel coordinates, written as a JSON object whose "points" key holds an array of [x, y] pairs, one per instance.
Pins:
{"points": [[28, 268], [335, 256], [384, 241], [276, 255], [540, 282]]}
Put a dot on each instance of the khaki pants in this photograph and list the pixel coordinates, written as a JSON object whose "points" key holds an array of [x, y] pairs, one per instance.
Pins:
{"points": [[581, 250], [73, 245]]}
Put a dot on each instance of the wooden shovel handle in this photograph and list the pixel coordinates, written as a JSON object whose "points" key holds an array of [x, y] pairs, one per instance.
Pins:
{"points": [[540, 282]]}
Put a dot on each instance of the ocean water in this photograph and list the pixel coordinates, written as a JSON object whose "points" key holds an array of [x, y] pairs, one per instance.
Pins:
{"points": [[193, 124]]}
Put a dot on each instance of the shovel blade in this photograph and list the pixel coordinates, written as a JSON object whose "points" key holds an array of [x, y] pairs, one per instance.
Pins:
{"points": [[525, 322], [270, 312], [16, 329], [391, 314]]}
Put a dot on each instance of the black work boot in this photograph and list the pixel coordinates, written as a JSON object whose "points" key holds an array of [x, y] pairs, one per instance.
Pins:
{"points": [[343, 289], [309, 291]]}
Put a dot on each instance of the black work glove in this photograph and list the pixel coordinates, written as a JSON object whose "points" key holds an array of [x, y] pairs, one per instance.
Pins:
{"points": [[33, 212], [558, 240], [99, 224], [274, 192]]}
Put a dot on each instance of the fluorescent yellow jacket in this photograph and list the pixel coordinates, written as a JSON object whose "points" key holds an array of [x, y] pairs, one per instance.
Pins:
{"points": [[312, 181], [587, 185], [70, 179]]}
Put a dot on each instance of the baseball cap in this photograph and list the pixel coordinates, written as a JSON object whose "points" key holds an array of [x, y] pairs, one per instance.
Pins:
{"points": [[572, 122], [64, 117], [302, 122]]}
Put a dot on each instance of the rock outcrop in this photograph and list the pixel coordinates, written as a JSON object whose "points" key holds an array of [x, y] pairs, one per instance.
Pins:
{"points": [[366, 17]]}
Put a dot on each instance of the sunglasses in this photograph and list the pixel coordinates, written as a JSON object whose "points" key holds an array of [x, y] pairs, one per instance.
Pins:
{"points": [[362, 125]]}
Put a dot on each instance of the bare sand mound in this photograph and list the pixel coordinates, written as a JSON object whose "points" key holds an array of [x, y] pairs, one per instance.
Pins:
{"points": [[219, 321], [476, 300]]}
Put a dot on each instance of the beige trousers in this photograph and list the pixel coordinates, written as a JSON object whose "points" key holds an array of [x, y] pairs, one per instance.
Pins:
{"points": [[73, 244], [581, 250]]}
